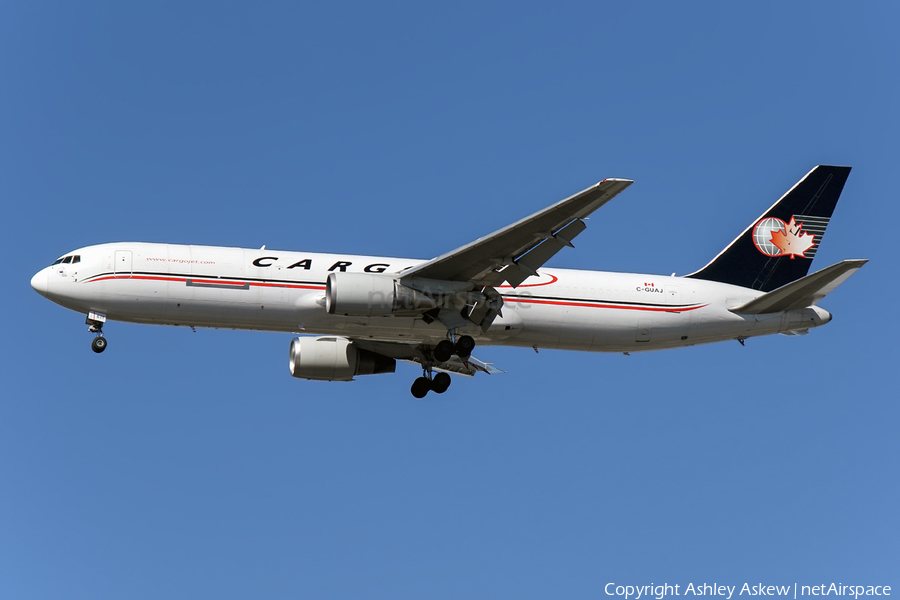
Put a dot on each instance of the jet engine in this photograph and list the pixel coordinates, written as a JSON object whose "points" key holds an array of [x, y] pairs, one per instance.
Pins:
{"points": [[370, 295], [332, 358]]}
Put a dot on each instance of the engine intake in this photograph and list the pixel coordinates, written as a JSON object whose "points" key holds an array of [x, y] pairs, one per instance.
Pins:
{"points": [[371, 295], [329, 358]]}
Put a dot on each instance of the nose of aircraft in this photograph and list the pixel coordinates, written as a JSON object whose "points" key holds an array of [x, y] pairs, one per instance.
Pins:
{"points": [[39, 282]]}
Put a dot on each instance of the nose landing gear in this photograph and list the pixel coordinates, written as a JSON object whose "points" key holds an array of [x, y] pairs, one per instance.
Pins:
{"points": [[96, 320]]}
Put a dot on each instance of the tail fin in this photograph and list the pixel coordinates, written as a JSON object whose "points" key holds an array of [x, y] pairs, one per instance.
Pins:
{"points": [[779, 246]]}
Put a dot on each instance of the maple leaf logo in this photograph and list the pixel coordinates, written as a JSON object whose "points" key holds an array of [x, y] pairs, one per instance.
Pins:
{"points": [[792, 240]]}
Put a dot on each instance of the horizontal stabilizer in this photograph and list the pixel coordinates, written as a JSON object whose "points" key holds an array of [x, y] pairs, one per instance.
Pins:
{"points": [[803, 292]]}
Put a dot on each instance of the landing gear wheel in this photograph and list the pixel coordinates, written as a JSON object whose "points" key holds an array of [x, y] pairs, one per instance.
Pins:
{"points": [[440, 383], [464, 346], [99, 344], [443, 351], [420, 387]]}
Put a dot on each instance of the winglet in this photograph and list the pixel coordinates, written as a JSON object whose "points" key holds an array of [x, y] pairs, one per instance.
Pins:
{"points": [[803, 292]]}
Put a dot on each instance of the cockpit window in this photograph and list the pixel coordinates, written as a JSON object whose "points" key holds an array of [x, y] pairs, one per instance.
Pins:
{"points": [[72, 258]]}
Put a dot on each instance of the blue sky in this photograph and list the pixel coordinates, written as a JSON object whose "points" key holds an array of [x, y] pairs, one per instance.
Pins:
{"points": [[187, 465]]}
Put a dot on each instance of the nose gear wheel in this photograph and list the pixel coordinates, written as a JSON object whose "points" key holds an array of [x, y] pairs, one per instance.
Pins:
{"points": [[99, 344]]}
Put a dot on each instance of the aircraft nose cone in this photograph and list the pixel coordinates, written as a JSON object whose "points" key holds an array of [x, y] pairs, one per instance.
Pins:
{"points": [[39, 282]]}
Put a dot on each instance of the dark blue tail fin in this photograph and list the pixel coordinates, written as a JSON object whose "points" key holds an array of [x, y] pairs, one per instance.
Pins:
{"points": [[779, 246]]}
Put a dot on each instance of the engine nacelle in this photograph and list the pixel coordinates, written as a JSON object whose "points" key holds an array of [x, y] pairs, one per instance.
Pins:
{"points": [[371, 295], [332, 358]]}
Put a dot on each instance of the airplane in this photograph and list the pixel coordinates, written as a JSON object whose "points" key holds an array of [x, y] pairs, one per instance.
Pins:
{"points": [[368, 312]]}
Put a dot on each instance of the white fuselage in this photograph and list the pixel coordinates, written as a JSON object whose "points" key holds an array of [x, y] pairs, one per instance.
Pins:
{"points": [[209, 286]]}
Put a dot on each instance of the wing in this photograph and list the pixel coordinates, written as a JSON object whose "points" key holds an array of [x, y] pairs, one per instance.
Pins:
{"points": [[514, 253], [469, 366], [415, 353]]}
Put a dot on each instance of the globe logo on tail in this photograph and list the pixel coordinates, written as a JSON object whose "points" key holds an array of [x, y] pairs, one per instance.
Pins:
{"points": [[774, 237]]}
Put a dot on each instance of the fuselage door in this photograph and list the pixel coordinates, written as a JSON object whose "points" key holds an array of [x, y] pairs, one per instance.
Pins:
{"points": [[644, 329], [122, 263]]}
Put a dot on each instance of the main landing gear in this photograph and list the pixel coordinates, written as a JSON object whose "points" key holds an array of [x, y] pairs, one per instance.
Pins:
{"points": [[437, 384], [442, 352], [445, 349], [464, 346]]}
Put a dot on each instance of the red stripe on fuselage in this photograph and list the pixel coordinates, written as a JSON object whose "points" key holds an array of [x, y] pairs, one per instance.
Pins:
{"points": [[210, 281], [521, 300], [671, 309], [525, 285]]}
